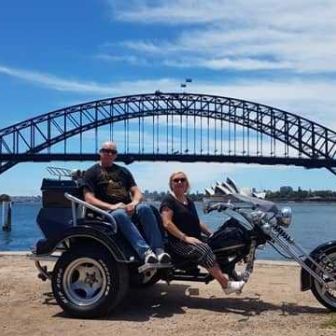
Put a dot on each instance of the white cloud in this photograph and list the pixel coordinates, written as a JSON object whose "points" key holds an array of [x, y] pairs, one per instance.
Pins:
{"points": [[54, 82], [298, 35], [228, 64], [311, 98], [293, 13], [68, 85], [130, 59], [160, 11]]}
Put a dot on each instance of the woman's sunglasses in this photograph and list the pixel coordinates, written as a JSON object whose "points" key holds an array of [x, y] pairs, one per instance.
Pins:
{"points": [[108, 151], [177, 180]]}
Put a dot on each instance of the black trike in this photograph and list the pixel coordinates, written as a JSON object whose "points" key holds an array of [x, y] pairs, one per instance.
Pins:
{"points": [[94, 266]]}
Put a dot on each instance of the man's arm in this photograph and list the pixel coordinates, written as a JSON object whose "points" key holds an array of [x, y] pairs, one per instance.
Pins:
{"points": [[136, 199], [137, 196], [93, 200]]}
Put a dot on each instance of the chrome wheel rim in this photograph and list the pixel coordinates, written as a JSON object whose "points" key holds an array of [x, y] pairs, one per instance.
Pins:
{"points": [[328, 295], [84, 281]]}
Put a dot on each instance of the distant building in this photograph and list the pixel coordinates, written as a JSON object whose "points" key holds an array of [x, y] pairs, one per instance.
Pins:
{"points": [[286, 190]]}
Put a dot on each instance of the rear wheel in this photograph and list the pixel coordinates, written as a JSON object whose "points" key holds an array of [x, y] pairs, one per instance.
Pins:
{"points": [[87, 282], [326, 297]]}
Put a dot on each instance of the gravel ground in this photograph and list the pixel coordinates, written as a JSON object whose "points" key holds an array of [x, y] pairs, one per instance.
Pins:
{"points": [[271, 304]]}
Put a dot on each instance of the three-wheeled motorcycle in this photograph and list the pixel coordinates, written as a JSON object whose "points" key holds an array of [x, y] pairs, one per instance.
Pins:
{"points": [[93, 265]]}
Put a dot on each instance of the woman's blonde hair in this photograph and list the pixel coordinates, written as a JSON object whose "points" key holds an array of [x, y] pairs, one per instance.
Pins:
{"points": [[178, 173]]}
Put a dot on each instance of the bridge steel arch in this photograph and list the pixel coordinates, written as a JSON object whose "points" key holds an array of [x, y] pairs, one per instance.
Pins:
{"points": [[32, 139]]}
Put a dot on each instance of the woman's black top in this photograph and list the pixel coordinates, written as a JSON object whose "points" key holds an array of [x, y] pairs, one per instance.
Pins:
{"points": [[184, 216]]}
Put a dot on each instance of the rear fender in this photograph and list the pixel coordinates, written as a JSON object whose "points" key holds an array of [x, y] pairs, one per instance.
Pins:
{"points": [[306, 278], [100, 233]]}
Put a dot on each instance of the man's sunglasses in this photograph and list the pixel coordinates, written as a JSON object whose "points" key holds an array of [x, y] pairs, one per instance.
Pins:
{"points": [[177, 180], [108, 151]]}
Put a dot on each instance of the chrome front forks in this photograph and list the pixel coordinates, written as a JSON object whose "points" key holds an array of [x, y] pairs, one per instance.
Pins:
{"points": [[293, 249], [245, 275]]}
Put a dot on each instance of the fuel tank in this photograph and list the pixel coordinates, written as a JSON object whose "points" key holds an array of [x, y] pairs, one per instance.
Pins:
{"points": [[230, 236]]}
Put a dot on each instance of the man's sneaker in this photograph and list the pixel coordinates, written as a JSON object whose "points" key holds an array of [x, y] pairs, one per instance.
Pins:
{"points": [[150, 257], [163, 257], [234, 287]]}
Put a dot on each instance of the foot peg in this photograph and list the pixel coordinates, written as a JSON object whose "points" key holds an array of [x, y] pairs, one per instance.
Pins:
{"points": [[146, 267]]}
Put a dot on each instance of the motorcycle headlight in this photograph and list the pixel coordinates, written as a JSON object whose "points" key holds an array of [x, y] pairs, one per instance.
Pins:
{"points": [[285, 218]]}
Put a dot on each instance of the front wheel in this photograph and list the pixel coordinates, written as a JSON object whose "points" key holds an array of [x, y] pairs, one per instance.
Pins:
{"points": [[87, 282], [326, 297]]}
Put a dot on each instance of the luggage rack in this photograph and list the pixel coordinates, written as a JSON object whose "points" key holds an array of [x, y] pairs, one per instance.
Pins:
{"points": [[59, 172], [74, 174]]}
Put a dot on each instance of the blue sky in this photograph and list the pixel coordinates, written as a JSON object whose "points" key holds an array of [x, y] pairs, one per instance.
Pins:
{"points": [[55, 54]]}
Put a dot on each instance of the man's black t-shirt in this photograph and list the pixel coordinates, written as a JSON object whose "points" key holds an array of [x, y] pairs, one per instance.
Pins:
{"points": [[185, 217], [111, 184]]}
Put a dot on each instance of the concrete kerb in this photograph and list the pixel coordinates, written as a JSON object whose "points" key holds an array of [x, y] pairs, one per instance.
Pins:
{"points": [[14, 253]]}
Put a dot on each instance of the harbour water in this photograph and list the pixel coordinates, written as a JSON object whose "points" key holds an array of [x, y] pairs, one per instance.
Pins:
{"points": [[313, 224]]}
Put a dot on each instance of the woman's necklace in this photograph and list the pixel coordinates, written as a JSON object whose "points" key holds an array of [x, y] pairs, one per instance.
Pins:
{"points": [[182, 199]]}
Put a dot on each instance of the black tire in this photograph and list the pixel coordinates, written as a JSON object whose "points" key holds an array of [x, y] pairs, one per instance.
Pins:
{"points": [[87, 282], [327, 298]]}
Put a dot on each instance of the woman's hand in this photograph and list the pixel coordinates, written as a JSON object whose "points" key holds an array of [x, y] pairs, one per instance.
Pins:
{"points": [[192, 240], [206, 230]]}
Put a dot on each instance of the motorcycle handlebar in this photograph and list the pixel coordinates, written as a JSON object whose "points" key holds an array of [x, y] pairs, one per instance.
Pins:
{"points": [[220, 206], [217, 206]]}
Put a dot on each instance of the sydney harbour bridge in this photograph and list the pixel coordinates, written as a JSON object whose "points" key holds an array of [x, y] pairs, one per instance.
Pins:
{"points": [[182, 127]]}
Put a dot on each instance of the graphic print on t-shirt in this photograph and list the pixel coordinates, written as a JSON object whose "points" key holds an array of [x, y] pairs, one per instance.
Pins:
{"points": [[114, 185]]}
